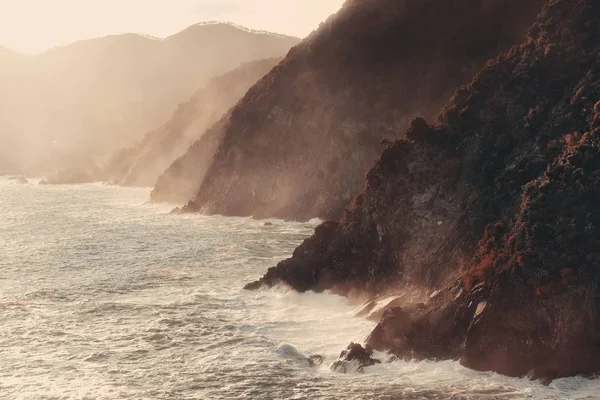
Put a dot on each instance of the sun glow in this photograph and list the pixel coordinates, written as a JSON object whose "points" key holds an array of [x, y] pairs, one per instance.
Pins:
{"points": [[32, 26]]}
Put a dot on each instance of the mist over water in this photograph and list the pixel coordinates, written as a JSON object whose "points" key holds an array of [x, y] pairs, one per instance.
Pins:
{"points": [[103, 296]]}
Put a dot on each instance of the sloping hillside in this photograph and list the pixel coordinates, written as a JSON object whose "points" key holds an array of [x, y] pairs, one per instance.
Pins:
{"points": [[142, 164], [497, 204], [90, 98], [298, 144]]}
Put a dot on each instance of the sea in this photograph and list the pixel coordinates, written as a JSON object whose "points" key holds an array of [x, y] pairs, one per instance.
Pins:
{"points": [[106, 296]]}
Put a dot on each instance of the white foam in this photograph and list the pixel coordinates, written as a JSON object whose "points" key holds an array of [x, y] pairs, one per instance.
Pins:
{"points": [[120, 300]]}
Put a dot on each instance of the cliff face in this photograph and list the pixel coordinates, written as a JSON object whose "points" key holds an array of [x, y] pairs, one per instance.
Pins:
{"points": [[497, 204], [142, 164], [88, 99], [298, 144]]}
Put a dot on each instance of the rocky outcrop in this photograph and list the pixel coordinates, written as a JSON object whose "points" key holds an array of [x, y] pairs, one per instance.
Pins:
{"points": [[496, 204], [298, 144], [142, 164], [354, 359], [95, 96], [502, 327]]}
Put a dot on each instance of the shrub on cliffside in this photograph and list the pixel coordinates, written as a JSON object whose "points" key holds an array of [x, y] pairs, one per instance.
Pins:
{"points": [[500, 194]]}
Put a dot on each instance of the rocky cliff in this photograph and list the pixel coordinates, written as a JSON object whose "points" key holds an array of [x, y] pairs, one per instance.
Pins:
{"points": [[298, 144], [492, 212], [142, 164], [95, 96]]}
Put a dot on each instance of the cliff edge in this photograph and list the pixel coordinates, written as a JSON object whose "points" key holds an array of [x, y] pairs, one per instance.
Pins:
{"points": [[297, 145], [492, 212]]}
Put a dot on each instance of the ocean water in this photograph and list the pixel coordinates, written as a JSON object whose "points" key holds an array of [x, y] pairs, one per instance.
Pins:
{"points": [[103, 296]]}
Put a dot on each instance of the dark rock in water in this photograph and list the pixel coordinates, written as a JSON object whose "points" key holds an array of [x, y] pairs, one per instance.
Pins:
{"points": [[498, 202], [378, 314], [297, 145], [496, 329], [435, 330], [43, 182], [315, 360], [21, 181], [354, 359], [253, 286], [268, 224]]}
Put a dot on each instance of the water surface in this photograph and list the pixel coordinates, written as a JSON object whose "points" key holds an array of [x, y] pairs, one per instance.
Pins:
{"points": [[103, 296]]}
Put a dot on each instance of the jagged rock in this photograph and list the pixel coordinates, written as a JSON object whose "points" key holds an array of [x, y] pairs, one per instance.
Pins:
{"points": [[315, 360], [433, 330], [512, 169], [297, 145], [354, 359]]}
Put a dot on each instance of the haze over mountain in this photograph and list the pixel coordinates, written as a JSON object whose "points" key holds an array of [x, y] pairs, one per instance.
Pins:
{"points": [[298, 144], [451, 146], [143, 163], [32, 26], [74, 105]]}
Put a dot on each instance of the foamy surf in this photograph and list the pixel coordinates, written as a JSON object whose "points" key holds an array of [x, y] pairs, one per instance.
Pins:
{"points": [[104, 296]]}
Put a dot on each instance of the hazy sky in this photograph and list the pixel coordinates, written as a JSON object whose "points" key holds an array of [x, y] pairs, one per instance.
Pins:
{"points": [[34, 25]]}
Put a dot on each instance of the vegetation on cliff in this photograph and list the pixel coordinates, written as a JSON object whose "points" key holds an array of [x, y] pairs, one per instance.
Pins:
{"points": [[496, 204], [298, 144]]}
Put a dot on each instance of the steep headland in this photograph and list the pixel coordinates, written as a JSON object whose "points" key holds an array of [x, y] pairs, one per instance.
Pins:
{"points": [[143, 163], [298, 144], [492, 212], [79, 103]]}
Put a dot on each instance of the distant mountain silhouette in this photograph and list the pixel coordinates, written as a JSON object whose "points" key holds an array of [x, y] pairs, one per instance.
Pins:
{"points": [[142, 164], [91, 97], [297, 146]]}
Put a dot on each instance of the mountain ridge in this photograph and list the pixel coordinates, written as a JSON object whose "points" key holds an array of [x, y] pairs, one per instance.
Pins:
{"points": [[297, 145], [207, 24], [142, 164], [75, 105]]}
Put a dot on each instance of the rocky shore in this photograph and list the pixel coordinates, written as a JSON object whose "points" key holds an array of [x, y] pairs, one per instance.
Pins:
{"points": [[492, 212]]}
